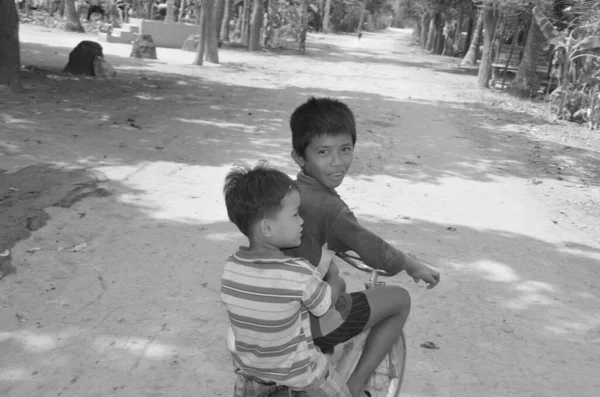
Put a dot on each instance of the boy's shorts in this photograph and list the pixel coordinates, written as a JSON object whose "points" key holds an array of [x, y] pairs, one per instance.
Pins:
{"points": [[330, 385], [355, 324]]}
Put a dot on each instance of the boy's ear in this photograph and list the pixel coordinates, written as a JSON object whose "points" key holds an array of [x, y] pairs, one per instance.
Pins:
{"points": [[298, 159], [264, 227]]}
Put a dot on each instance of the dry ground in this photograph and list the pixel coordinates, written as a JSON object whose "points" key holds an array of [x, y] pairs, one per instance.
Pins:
{"points": [[111, 207]]}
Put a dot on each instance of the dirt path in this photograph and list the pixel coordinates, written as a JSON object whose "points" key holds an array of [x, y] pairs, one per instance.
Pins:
{"points": [[119, 295]]}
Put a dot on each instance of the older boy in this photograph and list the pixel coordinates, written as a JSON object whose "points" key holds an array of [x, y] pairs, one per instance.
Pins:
{"points": [[323, 139], [269, 295]]}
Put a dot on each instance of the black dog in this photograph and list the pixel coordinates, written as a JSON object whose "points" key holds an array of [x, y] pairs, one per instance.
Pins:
{"points": [[359, 35], [95, 9]]}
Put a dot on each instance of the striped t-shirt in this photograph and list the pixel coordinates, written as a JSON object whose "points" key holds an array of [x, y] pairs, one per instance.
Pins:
{"points": [[268, 297]]}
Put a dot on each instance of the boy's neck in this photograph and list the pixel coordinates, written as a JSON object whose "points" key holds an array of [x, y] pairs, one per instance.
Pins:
{"points": [[315, 182], [262, 247]]}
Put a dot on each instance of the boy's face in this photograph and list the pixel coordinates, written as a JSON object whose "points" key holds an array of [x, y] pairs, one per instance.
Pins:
{"points": [[286, 225], [327, 159]]}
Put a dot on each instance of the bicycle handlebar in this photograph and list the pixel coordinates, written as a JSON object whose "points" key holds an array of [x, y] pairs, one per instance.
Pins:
{"points": [[356, 262]]}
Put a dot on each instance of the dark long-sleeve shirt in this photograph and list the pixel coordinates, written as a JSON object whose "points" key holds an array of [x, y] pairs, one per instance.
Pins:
{"points": [[327, 218]]}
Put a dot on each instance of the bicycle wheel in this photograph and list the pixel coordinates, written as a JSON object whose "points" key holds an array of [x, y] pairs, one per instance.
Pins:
{"points": [[388, 377]]}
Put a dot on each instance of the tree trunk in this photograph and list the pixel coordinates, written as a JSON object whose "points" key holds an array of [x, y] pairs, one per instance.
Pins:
{"points": [[425, 25], [224, 36], [470, 58], [256, 25], [73, 24], [526, 75], [149, 4], [490, 19], [431, 35], [201, 10], [219, 15], [268, 36], [237, 31], [10, 56], [304, 25], [438, 47], [470, 29], [212, 43], [361, 20], [327, 16], [417, 29], [458, 32], [244, 16]]}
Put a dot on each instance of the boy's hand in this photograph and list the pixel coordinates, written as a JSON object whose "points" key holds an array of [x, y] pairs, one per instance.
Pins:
{"points": [[325, 262], [418, 271], [427, 274]]}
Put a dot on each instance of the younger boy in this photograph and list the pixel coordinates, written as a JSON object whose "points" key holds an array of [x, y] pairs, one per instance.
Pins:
{"points": [[269, 296], [323, 139]]}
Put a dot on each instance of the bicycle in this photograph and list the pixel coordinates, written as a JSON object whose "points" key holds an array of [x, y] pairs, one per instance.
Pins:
{"points": [[388, 377]]}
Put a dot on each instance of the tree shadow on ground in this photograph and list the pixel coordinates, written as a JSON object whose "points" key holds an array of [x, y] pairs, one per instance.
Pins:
{"points": [[123, 121], [459, 70], [138, 308], [147, 317], [25, 194]]}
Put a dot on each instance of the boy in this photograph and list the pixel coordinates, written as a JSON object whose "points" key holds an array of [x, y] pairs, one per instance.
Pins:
{"points": [[323, 140], [268, 295]]}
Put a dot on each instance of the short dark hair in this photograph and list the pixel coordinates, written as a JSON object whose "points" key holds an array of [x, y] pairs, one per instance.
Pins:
{"points": [[319, 116], [252, 194]]}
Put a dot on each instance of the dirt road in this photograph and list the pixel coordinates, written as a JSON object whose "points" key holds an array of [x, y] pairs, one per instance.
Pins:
{"points": [[119, 295]]}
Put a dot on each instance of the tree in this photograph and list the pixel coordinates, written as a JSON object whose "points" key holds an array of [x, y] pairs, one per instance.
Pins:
{"points": [[425, 24], [361, 20], [224, 36], [471, 55], [73, 24], [212, 42], [219, 15], [256, 25], [526, 78], [244, 19], [490, 20], [327, 16], [149, 4], [435, 29], [10, 58], [202, 36]]}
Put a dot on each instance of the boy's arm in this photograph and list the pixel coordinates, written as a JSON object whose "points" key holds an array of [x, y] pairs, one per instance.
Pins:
{"points": [[331, 273], [348, 235], [317, 294]]}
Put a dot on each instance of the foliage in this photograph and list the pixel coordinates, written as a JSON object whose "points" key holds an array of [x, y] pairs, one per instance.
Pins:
{"points": [[345, 15], [578, 63], [586, 15]]}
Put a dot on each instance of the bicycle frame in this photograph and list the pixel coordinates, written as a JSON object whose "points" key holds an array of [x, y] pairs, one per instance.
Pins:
{"points": [[353, 348]]}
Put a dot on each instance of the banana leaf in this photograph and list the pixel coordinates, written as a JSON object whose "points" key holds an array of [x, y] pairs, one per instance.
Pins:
{"points": [[549, 31], [588, 43]]}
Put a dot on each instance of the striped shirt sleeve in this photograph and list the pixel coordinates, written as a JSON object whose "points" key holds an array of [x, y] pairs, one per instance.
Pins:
{"points": [[317, 294]]}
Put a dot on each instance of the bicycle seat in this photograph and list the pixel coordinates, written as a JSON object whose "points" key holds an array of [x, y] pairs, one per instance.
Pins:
{"points": [[353, 259]]}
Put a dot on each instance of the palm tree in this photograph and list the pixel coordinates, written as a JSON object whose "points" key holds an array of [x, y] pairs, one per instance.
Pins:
{"points": [[327, 16], [526, 75], [490, 20], [256, 25], [203, 16], [362, 16], [212, 42], [224, 36], [73, 24], [219, 14], [10, 58], [425, 22], [471, 55]]}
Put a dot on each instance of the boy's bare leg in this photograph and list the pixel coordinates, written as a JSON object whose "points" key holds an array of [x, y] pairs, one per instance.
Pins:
{"points": [[389, 310]]}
